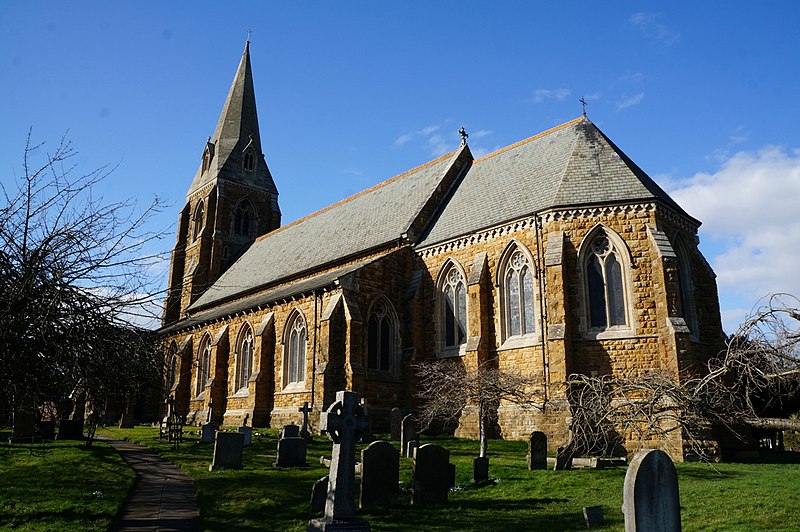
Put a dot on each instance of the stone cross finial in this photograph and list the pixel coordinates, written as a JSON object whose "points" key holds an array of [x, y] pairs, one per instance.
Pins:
{"points": [[305, 410], [344, 422], [583, 104]]}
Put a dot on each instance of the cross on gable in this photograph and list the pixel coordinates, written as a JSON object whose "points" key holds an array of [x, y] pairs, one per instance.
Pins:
{"points": [[344, 420]]}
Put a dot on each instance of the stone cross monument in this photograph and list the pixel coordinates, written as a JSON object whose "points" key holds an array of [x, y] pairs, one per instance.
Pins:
{"points": [[305, 410], [344, 422]]}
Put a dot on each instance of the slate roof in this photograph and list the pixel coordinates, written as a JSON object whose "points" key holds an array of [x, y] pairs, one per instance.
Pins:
{"points": [[572, 164], [569, 165], [368, 220]]}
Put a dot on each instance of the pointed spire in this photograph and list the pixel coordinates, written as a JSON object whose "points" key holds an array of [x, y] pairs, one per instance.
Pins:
{"points": [[237, 131]]}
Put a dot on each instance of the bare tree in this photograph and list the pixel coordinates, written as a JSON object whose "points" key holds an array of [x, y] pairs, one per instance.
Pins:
{"points": [[752, 377], [73, 269], [446, 387]]}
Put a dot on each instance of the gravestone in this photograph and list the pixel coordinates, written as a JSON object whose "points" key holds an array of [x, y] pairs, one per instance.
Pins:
{"points": [[380, 474], [395, 420], [410, 448], [207, 432], [248, 435], [290, 431], [126, 421], [367, 436], [593, 516], [650, 499], [305, 410], [319, 492], [344, 422], [46, 430], [70, 429], [24, 428], [564, 456], [431, 475], [480, 469], [291, 452], [228, 448], [537, 450], [408, 432]]}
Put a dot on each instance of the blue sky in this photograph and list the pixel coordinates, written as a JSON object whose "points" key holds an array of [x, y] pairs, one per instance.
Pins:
{"points": [[702, 95]]}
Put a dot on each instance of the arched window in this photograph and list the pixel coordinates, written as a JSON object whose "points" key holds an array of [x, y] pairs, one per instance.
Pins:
{"points": [[605, 284], [518, 294], [172, 367], [203, 365], [294, 362], [382, 337], [244, 357], [452, 307], [249, 162], [686, 286], [243, 219], [197, 220]]}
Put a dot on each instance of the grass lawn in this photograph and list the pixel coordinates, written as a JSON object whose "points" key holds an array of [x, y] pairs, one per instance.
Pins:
{"points": [[731, 496], [61, 486]]}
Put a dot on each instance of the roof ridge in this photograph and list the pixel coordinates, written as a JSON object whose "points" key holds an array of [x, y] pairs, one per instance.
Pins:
{"points": [[529, 139], [359, 194]]}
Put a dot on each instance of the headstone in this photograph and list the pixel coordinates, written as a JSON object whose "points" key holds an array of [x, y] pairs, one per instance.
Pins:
{"points": [[593, 516], [210, 412], [564, 457], [480, 470], [319, 492], [395, 420], [431, 475], [290, 431], [228, 448], [380, 474], [410, 448], [248, 435], [344, 422], [537, 450], [126, 421], [650, 499], [70, 429], [408, 432], [291, 452], [24, 428], [46, 430], [207, 432], [305, 410], [451, 475]]}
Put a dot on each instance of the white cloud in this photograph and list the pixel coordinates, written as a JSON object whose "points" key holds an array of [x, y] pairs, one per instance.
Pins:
{"points": [[403, 139], [540, 95], [630, 101], [749, 207], [481, 133], [648, 25]]}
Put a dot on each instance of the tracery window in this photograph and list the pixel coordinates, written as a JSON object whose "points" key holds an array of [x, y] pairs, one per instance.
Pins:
{"points": [[294, 368], [203, 365], [453, 308], [244, 357], [381, 337], [518, 296], [197, 220], [243, 218], [604, 284]]}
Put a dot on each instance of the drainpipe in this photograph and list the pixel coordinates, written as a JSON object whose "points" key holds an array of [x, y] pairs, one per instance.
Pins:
{"points": [[314, 352], [540, 271]]}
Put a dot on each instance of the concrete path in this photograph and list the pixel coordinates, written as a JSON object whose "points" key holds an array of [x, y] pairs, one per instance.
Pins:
{"points": [[162, 497]]}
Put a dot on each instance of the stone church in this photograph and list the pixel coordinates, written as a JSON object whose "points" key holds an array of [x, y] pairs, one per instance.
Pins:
{"points": [[551, 256]]}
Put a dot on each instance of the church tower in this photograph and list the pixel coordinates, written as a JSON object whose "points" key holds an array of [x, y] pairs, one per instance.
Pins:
{"points": [[232, 199]]}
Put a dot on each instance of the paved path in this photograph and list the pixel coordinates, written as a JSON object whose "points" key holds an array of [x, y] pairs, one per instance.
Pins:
{"points": [[162, 497]]}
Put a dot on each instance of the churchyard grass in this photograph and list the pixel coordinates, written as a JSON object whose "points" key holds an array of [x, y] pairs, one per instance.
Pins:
{"points": [[730, 496], [61, 486]]}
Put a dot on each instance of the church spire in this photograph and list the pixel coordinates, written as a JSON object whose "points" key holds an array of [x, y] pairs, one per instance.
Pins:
{"points": [[236, 143]]}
